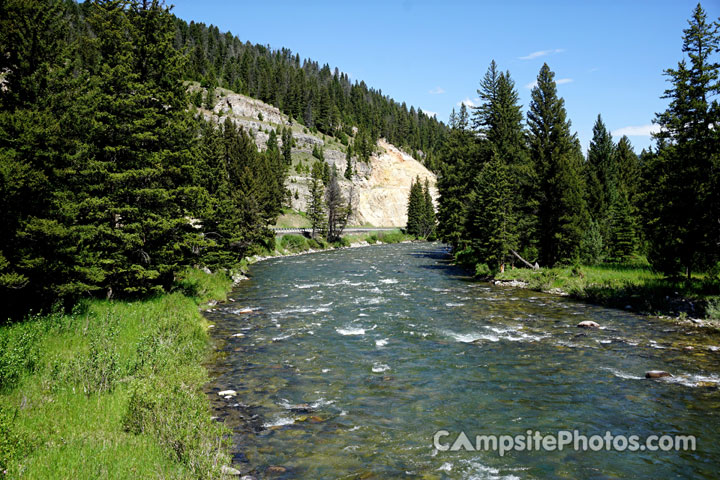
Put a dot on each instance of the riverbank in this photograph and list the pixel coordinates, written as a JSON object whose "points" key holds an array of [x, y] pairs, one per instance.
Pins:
{"points": [[113, 390], [292, 244], [629, 287]]}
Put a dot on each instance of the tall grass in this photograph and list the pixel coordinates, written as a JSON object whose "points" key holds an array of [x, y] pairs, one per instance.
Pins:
{"points": [[112, 390], [632, 285]]}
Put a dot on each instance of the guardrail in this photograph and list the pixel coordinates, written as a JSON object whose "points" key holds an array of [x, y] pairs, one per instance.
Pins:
{"points": [[301, 230]]}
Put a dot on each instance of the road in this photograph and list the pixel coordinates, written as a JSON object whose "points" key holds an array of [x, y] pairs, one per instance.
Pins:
{"points": [[348, 231]]}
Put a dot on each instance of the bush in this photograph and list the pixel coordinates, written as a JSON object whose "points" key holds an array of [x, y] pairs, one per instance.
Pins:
{"points": [[294, 243], [393, 237], [712, 310], [482, 270], [372, 239], [18, 351], [178, 417]]}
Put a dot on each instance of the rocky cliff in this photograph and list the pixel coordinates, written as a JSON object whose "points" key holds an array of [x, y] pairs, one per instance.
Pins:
{"points": [[380, 187]]}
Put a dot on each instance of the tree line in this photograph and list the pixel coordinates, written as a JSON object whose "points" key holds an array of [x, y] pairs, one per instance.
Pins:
{"points": [[314, 95], [510, 183], [109, 182]]}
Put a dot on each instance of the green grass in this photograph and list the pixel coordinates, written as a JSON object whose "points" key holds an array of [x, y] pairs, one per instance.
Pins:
{"points": [[112, 390], [622, 285]]}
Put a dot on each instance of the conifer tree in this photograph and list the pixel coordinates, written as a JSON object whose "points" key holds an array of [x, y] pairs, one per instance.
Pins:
{"points": [[601, 176], [316, 202], [622, 241], [491, 222], [557, 156], [287, 145], [338, 207], [456, 170], [348, 163], [681, 200], [416, 200], [428, 212]]}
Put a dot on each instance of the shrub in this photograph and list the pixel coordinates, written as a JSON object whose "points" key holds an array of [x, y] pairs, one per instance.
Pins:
{"points": [[177, 416], [392, 237], [18, 352], [294, 243], [372, 239], [482, 270]]}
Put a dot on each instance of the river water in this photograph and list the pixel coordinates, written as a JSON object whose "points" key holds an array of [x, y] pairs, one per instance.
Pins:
{"points": [[351, 360]]}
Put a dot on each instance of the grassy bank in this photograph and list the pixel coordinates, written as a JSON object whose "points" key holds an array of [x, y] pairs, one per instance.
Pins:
{"points": [[293, 244], [628, 286], [112, 390]]}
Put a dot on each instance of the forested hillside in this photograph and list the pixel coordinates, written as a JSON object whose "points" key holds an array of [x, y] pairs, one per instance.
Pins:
{"points": [[511, 183], [314, 95], [110, 179]]}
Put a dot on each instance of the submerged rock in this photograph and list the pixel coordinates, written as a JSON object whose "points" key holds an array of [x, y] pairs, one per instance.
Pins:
{"points": [[276, 469], [227, 393], [657, 374], [588, 324], [707, 384]]}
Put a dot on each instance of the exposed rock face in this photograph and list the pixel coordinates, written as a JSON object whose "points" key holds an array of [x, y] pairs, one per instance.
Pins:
{"points": [[382, 197], [380, 187]]}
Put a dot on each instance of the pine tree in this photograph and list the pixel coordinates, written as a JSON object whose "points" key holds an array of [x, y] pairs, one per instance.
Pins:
{"points": [[456, 170], [498, 204], [491, 223], [601, 176], [316, 203], [348, 163], [338, 207], [682, 203], [415, 209], [428, 212], [287, 140], [622, 239], [562, 212]]}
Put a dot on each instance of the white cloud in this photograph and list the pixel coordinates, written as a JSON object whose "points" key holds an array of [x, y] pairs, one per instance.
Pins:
{"points": [[429, 113], [437, 91], [636, 131], [531, 85], [469, 102], [541, 53]]}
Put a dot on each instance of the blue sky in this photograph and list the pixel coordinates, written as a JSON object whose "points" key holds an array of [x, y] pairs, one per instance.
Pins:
{"points": [[608, 56]]}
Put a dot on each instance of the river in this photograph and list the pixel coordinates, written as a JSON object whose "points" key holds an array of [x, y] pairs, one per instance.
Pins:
{"points": [[351, 360]]}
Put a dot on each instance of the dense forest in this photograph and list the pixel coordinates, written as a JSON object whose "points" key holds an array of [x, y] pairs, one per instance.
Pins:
{"points": [[110, 181], [318, 97], [511, 184]]}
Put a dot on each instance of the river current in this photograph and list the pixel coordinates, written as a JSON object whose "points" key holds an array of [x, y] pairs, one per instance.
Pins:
{"points": [[347, 363]]}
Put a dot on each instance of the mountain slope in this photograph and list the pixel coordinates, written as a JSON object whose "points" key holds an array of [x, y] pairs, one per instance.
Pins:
{"points": [[380, 187]]}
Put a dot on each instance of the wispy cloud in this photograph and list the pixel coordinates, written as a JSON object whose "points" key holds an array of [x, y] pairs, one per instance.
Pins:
{"points": [[437, 91], [636, 130], [541, 53], [559, 81], [429, 113], [469, 102]]}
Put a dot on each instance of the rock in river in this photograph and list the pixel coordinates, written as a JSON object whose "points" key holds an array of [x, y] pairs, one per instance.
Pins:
{"points": [[227, 393], [657, 374], [230, 471], [588, 324]]}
